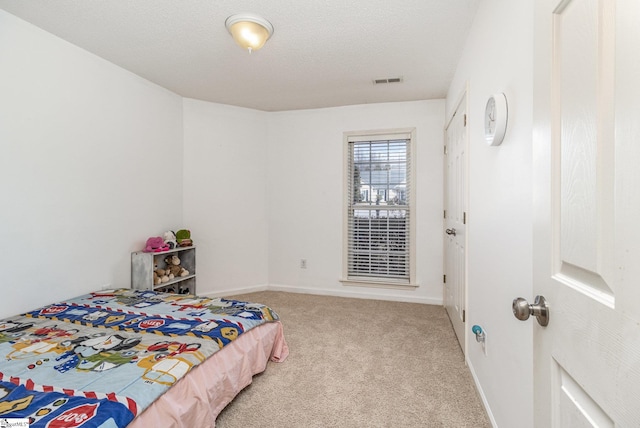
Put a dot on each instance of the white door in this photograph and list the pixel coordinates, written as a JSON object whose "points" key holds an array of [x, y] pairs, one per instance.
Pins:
{"points": [[455, 220], [587, 212]]}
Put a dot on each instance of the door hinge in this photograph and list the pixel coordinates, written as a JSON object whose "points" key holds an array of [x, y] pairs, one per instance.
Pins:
{"points": [[464, 218], [444, 278], [445, 150], [464, 315], [445, 213], [465, 120]]}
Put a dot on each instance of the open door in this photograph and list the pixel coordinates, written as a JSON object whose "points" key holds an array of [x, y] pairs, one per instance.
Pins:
{"points": [[586, 213], [455, 203]]}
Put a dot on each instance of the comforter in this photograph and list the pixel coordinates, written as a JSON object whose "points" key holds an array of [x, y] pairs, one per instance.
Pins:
{"points": [[100, 359]]}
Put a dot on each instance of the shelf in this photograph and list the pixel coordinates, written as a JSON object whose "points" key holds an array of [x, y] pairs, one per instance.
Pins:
{"points": [[173, 250], [143, 265], [174, 281]]}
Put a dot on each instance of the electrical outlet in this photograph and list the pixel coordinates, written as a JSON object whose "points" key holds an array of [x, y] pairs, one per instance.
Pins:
{"points": [[303, 263]]}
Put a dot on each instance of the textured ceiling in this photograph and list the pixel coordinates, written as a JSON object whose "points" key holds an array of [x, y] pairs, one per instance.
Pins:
{"points": [[323, 53]]}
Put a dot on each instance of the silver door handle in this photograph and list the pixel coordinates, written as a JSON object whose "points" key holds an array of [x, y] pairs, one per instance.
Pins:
{"points": [[540, 309], [450, 232]]}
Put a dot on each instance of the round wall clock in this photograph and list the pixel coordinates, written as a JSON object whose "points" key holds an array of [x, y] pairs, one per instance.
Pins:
{"points": [[495, 119]]}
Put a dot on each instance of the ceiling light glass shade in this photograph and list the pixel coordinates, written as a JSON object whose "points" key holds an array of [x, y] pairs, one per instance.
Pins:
{"points": [[250, 32]]}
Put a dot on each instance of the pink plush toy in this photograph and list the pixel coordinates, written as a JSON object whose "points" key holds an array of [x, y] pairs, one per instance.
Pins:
{"points": [[155, 244]]}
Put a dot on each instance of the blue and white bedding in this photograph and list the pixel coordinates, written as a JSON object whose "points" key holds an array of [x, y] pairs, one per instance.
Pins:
{"points": [[100, 359]]}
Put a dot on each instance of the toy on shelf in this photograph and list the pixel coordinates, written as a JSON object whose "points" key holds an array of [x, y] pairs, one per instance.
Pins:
{"points": [[170, 239], [183, 236], [160, 276], [155, 244], [168, 289], [174, 267]]}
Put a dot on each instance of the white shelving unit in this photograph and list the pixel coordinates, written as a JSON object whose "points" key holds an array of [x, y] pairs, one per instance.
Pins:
{"points": [[143, 264]]}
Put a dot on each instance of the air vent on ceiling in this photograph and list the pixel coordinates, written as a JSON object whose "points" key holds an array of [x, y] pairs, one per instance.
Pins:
{"points": [[389, 80]]}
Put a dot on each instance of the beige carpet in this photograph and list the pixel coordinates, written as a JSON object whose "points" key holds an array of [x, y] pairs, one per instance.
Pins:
{"points": [[359, 363]]}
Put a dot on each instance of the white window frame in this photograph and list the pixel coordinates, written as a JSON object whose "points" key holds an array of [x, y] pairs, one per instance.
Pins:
{"points": [[380, 135]]}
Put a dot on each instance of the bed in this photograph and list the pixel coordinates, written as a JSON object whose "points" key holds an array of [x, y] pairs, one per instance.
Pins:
{"points": [[133, 358]]}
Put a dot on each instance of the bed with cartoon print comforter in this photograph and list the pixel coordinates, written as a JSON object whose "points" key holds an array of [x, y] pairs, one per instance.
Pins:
{"points": [[100, 359]]}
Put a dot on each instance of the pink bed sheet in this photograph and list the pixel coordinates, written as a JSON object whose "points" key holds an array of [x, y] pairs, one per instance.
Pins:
{"points": [[198, 398]]}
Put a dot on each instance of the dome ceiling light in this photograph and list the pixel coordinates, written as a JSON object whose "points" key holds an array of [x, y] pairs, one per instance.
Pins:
{"points": [[249, 31]]}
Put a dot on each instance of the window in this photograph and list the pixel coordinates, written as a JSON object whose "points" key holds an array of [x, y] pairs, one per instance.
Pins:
{"points": [[379, 236]]}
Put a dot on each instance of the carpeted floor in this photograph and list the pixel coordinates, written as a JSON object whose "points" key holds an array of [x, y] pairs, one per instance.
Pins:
{"points": [[359, 363]]}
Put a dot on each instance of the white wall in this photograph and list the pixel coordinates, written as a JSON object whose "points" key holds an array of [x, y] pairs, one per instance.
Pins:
{"points": [[94, 163], [498, 58], [305, 188], [225, 193], [90, 166]]}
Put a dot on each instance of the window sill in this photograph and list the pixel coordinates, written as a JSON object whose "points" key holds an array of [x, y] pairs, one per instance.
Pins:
{"points": [[370, 283]]}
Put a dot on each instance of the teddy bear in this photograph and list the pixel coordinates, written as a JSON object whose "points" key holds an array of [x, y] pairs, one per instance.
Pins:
{"points": [[170, 239], [161, 276], [173, 266]]}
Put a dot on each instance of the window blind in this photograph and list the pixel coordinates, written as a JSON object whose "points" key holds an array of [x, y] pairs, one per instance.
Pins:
{"points": [[379, 208]]}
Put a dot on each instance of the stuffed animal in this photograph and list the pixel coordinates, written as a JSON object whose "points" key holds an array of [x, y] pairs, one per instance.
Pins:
{"points": [[183, 236], [173, 266], [155, 244], [170, 239], [161, 276]]}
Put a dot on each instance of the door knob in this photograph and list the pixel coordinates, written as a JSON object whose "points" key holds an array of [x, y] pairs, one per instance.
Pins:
{"points": [[523, 310], [451, 232]]}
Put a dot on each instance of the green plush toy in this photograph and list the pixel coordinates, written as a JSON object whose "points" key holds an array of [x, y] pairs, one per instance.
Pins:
{"points": [[183, 236]]}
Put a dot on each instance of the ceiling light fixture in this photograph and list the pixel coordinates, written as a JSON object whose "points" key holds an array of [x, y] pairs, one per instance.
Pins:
{"points": [[249, 31]]}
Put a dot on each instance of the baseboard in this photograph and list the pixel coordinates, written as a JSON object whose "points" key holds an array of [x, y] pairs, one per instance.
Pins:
{"points": [[235, 291], [323, 292], [487, 408], [357, 295]]}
